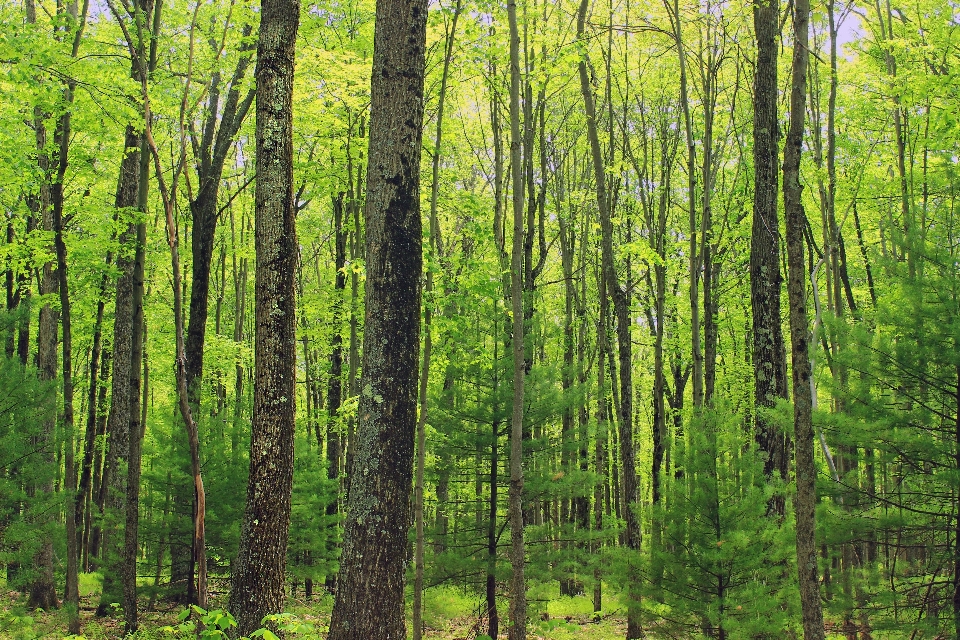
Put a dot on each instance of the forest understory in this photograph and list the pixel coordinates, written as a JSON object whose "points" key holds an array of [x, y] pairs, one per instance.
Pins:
{"points": [[451, 615], [480, 318]]}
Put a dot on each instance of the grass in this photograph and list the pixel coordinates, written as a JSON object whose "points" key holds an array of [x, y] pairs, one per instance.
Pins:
{"points": [[449, 613]]}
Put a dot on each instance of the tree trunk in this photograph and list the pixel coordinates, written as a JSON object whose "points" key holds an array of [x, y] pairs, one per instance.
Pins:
{"points": [[214, 147], [518, 589], [622, 315], [427, 338], [43, 592], [71, 592], [769, 355], [806, 468], [113, 482], [335, 381], [370, 589], [258, 576]]}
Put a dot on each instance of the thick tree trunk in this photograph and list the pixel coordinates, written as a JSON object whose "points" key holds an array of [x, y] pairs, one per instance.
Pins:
{"points": [[769, 355], [806, 468], [258, 576], [370, 589], [113, 482]]}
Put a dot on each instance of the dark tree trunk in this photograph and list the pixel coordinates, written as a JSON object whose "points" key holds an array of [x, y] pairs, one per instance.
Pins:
{"points": [[258, 576], [621, 310], [769, 355], [147, 20], [213, 148], [71, 591], [82, 508], [335, 382], [370, 588], [43, 592]]}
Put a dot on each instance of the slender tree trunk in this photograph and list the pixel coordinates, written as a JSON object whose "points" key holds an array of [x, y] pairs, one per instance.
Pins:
{"points": [[622, 314], [62, 139], [138, 370], [91, 529], [493, 616], [83, 504], [258, 576], [518, 589], [43, 592], [335, 381], [695, 258], [214, 147], [71, 595], [806, 469], [137, 406], [427, 337], [370, 589]]}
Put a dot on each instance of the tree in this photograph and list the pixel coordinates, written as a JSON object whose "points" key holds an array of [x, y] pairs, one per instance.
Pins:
{"points": [[369, 599], [518, 587], [258, 575], [769, 355], [806, 468], [427, 328], [621, 310]]}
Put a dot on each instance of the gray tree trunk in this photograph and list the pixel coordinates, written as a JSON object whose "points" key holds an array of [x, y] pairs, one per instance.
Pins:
{"points": [[258, 575], [518, 589], [806, 467], [370, 588]]}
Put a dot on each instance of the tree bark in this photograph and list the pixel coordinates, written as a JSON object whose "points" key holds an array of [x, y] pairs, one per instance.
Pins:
{"points": [[806, 469], [258, 576], [43, 592], [769, 354], [370, 589], [113, 482], [518, 589], [335, 381], [71, 591]]}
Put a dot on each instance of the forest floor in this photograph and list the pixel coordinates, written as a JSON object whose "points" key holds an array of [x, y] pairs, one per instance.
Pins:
{"points": [[449, 615]]}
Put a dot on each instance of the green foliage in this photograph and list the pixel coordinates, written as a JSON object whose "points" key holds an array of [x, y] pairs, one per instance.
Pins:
{"points": [[26, 404], [313, 547], [201, 624], [196, 622], [723, 563], [17, 624]]}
